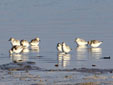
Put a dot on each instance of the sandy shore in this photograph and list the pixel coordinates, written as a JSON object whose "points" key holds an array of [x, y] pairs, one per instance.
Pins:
{"points": [[28, 74]]}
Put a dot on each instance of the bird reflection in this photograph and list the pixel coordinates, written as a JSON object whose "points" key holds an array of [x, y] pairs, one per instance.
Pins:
{"points": [[18, 58], [35, 48], [64, 59], [81, 52], [95, 52]]}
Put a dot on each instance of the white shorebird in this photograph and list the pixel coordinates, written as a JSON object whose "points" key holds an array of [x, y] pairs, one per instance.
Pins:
{"points": [[25, 50], [14, 41], [66, 48], [95, 43], [81, 42], [59, 47], [16, 49], [35, 42], [24, 43]]}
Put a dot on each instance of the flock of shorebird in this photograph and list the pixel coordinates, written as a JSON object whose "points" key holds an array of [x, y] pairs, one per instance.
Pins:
{"points": [[63, 48], [21, 46]]}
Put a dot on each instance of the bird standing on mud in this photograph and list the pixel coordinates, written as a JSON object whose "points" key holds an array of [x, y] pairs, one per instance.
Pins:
{"points": [[14, 41], [16, 49], [81, 42], [24, 43], [65, 48], [95, 43], [35, 42], [59, 47]]}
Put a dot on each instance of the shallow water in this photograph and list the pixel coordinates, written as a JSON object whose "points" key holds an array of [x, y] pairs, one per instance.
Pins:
{"points": [[57, 21]]}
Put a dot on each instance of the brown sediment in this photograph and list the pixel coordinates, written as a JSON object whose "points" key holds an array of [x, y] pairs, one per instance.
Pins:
{"points": [[31, 66]]}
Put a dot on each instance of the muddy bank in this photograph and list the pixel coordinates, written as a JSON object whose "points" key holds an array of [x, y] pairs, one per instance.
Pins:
{"points": [[24, 66]]}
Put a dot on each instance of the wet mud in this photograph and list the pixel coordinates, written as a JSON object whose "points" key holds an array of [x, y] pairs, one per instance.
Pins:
{"points": [[29, 65]]}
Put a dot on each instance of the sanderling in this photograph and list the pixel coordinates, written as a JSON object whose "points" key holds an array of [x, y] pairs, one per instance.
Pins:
{"points": [[95, 43], [80, 41], [16, 49], [59, 47], [66, 48], [24, 43], [35, 42], [25, 50], [14, 41]]}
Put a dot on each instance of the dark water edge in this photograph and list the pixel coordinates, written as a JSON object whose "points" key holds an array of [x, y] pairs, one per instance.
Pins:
{"points": [[27, 73], [31, 66]]}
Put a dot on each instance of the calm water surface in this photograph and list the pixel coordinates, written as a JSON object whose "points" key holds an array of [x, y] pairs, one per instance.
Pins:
{"points": [[59, 21]]}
